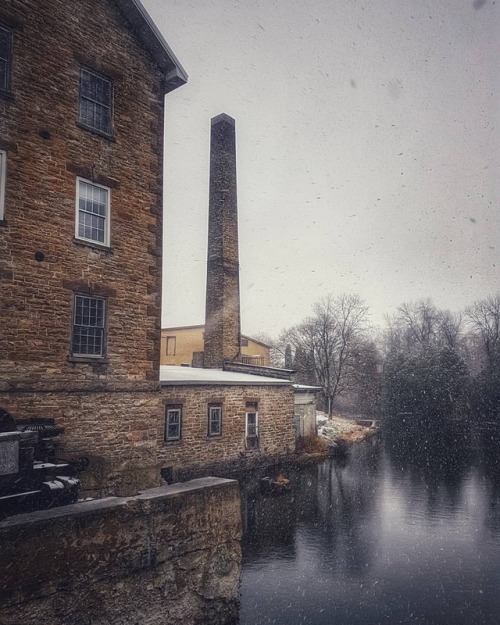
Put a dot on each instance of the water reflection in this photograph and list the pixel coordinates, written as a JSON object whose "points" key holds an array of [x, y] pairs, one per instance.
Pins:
{"points": [[403, 532]]}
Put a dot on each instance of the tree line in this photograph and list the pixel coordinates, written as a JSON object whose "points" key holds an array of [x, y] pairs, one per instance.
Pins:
{"points": [[426, 361]]}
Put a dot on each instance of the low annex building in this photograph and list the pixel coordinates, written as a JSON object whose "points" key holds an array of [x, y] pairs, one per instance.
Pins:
{"points": [[229, 406], [215, 417]]}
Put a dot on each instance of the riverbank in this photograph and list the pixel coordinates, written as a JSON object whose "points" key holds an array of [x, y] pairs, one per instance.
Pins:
{"points": [[339, 430], [335, 436]]}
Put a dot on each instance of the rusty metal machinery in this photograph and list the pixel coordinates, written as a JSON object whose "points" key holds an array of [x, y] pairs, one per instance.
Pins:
{"points": [[32, 477]]}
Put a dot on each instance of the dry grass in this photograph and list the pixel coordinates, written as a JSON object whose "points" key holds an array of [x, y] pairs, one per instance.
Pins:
{"points": [[311, 445], [355, 435]]}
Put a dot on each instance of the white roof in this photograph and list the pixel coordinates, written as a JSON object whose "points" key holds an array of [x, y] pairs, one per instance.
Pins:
{"points": [[305, 387], [171, 375]]}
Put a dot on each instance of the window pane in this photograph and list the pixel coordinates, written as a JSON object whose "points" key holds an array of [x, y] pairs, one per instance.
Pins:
{"points": [[88, 326], [92, 212], [87, 112], [95, 101], [215, 420], [4, 43], [173, 424], [5, 57], [102, 91], [251, 424], [3, 74]]}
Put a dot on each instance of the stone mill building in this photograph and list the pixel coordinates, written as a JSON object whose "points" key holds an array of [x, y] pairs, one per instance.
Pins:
{"points": [[82, 90]]}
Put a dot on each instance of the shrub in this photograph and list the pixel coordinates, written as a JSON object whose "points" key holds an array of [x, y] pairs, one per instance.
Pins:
{"points": [[311, 445]]}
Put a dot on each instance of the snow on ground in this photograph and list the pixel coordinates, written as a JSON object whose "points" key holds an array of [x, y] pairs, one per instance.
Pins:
{"points": [[339, 428]]}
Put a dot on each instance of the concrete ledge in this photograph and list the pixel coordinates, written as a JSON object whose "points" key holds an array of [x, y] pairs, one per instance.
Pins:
{"points": [[97, 506]]}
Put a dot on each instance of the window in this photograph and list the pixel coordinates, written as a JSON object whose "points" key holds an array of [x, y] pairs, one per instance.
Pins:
{"points": [[5, 58], [88, 326], [173, 423], [92, 212], [96, 98], [252, 425], [3, 168], [214, 419], [170, 345]]}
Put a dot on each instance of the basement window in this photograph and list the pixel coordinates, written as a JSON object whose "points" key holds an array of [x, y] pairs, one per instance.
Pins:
{"points": [[88, 326], [214, 419], [5, 58], [252, 426], [92, 212], [96, 102], [173, 422]]}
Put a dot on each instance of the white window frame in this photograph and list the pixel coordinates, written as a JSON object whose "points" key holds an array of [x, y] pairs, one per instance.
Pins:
{"points": [[214, 407], [3, 175], [102, 327], [107, 217], [254, 436], [170, 410]]}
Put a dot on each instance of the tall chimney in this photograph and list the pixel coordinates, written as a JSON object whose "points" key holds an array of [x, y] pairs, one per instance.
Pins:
{"points": [[222, 312]]}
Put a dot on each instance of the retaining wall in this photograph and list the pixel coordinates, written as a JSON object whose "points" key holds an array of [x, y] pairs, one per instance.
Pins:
{"points": [[168, 556]]}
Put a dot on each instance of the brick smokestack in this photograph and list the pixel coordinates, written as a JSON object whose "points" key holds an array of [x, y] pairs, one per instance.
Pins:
{"points": [[222, 312]]}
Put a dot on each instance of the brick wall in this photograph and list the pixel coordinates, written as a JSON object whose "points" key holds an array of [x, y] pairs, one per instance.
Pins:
{"points": [[196, 448], [46, 151]]}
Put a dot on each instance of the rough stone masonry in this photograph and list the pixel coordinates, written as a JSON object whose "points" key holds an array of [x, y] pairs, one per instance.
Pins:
{"points": [[170, 556], [108, 405], [222, 318]]}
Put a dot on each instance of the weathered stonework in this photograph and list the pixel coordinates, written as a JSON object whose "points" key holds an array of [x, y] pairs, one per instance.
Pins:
{"points": [[222, 315], [116, 431], [170, 556], [107, 405], [196, 452]]}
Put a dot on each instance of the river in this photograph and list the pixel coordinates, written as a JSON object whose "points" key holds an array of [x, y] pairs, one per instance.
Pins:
{"points": [[399, 532]]}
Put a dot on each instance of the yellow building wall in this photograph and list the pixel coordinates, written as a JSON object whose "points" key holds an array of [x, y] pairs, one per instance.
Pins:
{"points": [[190, 339], [255, 350], [187, 341]]}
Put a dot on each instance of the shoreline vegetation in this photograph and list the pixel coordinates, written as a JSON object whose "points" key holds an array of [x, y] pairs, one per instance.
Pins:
{"points": [[335, 435]]}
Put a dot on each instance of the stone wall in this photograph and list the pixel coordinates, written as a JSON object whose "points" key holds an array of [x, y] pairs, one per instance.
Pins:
{"points": [[116, 431], [170, 556], [196, 448], [94, 399]]}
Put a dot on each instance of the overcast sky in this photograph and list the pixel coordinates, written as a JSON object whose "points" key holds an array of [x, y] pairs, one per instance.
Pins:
{"points": [[368, 152]]}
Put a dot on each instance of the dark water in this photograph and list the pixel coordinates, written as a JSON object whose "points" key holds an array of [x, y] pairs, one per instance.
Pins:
{"points": [[399, 533]]}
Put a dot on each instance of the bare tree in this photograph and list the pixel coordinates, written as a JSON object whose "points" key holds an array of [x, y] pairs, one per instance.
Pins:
{"points": [[450, 329], [327, 344], [420, 320], [484, 318], [425, 370], [420, 324]]}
